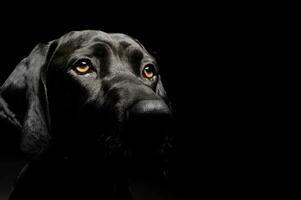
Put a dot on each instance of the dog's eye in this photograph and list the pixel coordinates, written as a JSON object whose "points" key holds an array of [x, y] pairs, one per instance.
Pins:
{"points": [[149, 71], [83, 67]]}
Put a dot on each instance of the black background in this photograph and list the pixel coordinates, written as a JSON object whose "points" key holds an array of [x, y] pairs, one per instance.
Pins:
{"points": [[207, 55]]}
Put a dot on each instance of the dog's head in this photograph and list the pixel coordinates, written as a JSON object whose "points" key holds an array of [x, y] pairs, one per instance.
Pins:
{"points": [[86, 90]]}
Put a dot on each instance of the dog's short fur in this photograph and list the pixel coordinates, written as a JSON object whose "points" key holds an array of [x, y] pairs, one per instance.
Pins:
{"points": [[78, 129]]}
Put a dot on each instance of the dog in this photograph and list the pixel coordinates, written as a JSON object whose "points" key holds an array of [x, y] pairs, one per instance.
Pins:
{"points": [[86, 104]]}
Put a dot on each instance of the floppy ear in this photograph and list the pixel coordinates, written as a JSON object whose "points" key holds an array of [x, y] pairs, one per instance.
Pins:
{"points": [[23, 100]]}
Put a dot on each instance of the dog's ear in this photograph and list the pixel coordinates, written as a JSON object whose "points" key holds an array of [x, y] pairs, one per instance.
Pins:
{"points": [[24, 103]]}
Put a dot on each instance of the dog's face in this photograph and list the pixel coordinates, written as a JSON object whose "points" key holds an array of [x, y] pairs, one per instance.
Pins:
{"points": [[100, 90], [98, 84]]}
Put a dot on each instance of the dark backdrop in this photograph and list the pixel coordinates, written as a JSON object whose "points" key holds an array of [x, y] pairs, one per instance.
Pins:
{"points": [[206, 55]]}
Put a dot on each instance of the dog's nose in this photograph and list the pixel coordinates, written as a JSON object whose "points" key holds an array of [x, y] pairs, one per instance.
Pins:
{"points": [[148, 114], [147, 124], [152, 108]]}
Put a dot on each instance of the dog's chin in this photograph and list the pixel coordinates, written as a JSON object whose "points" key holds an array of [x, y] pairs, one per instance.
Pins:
{"points": [[134, 139], [112, 144]]}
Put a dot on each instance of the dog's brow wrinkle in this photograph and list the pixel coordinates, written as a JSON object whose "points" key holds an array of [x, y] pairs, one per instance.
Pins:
{"points": [[124, 44], [101, 41], [136, 54]]}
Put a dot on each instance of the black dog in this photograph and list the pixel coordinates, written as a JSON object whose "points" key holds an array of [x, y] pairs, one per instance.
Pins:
{"points": [[84, 104]]}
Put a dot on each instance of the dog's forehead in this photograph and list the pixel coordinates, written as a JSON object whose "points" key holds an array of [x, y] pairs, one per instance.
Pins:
{"points": [[77, 39]]}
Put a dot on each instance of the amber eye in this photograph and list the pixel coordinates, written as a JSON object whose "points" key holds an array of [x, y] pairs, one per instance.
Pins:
{"points": [[149, 71], [83, 67]]}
